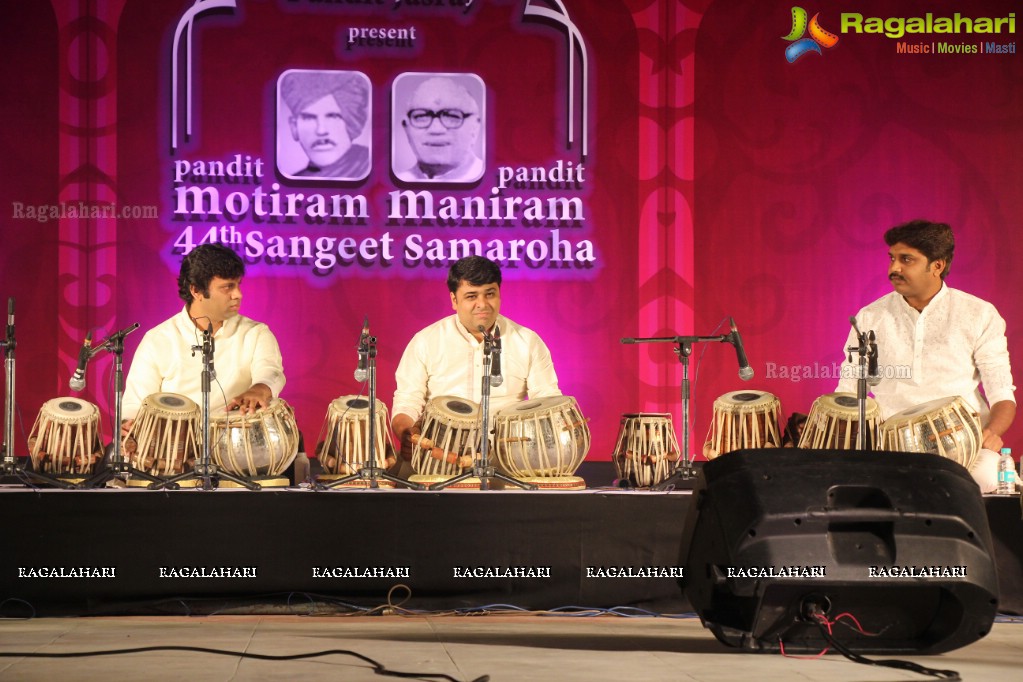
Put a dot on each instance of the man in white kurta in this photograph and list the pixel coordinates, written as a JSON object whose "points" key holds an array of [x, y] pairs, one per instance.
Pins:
{"points": [[246, 354], [446, 358], [247, 359], [935, 341]]}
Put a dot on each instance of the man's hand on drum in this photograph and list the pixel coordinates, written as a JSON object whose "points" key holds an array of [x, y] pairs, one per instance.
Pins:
{"points": [[991, 440], [126, 426], [256, 398], [404, 428]]}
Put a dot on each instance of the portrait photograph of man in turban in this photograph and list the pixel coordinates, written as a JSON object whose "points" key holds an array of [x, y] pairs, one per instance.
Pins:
{"points": [[326, 114]]}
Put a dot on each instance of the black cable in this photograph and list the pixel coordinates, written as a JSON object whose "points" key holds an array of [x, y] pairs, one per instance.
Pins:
{"points": [[378, 668], [895, 663]]}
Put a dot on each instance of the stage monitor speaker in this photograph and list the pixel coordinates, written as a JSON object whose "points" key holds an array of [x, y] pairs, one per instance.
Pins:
{"points": [[899, 541]]}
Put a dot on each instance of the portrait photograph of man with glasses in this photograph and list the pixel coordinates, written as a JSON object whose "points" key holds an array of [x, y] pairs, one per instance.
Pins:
{"points": [[441, 115]]}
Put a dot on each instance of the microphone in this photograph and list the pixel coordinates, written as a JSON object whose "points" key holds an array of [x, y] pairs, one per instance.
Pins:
{"points": [[873, 376], [77, 382], [361, 373], [495, 369], [745, 371]]}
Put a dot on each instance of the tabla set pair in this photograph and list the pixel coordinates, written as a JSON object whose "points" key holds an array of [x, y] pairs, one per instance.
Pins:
{"points": [[541, 441], [749, 419], [164, 439]]}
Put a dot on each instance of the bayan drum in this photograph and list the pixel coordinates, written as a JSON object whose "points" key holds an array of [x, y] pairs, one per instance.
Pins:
{"points": [[262, 443], [646, 448], [946, 427], [164, 438], [834, 423], [448, 441], [743, 419], [65, 438], [344, 440], [542, 441]]}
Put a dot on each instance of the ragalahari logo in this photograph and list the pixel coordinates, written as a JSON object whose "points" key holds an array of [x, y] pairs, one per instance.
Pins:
{"points": [[800, 45]]}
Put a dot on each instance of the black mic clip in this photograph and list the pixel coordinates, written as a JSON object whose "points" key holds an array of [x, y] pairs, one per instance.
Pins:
{"points": [[9, 343], [366, 349]]}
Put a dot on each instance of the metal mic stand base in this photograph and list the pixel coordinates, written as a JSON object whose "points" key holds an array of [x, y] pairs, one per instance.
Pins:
{"points": [[24, 475], [371, 475], [206, 474], [113, 469], [485, 474]]}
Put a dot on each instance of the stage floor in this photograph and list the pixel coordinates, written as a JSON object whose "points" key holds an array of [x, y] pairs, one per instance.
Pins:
{"points": [[507, 648]]}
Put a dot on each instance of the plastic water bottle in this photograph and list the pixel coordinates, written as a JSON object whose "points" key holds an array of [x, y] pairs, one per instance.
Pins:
{"points": [[1006, 473]]}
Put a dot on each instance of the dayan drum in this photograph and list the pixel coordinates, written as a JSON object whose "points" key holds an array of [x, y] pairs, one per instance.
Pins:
{"points": [[542, 441], [344, 439], [743, 419], [646, 448], [262, 443], [946, 427], [164, 438], [834, 423], [449, 438], [65, 438]]}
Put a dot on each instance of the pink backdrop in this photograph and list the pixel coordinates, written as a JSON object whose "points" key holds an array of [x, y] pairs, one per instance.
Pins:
{"points": [[722, 181]]}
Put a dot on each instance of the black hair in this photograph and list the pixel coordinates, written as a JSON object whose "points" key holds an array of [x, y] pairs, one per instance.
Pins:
{"points": [[933, 240], [205, 262], [476, 270]]}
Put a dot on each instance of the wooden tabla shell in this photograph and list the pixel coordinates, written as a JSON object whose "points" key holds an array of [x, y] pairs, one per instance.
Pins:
{"points": [[262, 443], [947, 427], [541, 438], [65, 438], [164, 438], [449, 437], [834, 423], [646, 448], [344, 438], [743, 419]]}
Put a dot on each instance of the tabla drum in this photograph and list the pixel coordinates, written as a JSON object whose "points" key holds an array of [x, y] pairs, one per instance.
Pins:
{"points": [[448, 441], [946, 426], [834, 423], [646, 448], [542, 441], [343, 447], [261, 444], [164, 438], [743, 419], [65, 439]]}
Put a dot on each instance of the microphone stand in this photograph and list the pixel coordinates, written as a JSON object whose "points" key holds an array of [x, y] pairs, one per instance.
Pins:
{"points": [[867, 350], [205, 470], [684, 348], [115, 464], [371, 472], [482, 468], [9, 465]]}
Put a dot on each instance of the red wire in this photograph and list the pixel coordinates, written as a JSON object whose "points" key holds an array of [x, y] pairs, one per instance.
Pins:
{"points": [[822, 619], [828, 623], [858, 626]]}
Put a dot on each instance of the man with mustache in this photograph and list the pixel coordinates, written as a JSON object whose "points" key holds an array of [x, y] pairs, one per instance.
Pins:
{"points": [[952, 342], [328, 113]]}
